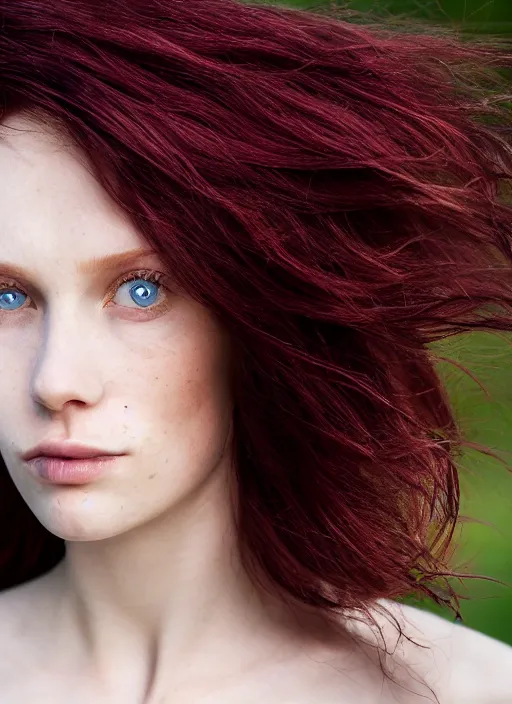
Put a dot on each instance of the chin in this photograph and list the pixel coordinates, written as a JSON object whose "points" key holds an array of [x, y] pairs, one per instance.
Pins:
{"points": [[75, 516]]}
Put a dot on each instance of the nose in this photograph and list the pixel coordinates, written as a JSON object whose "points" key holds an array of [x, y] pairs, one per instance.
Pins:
{"points": [[65, 370]]}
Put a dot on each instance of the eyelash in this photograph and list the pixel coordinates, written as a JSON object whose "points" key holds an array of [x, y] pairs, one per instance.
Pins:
{"points": [[145, 274]]}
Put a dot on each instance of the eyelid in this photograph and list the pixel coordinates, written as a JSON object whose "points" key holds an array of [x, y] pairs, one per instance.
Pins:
{"points": [[8, 282]]}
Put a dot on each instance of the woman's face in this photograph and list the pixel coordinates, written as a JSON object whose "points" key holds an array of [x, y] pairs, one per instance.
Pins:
{"points": [[129, 367]]}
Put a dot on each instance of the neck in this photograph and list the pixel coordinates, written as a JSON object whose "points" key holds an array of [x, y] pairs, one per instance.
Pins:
{"points": [[170, 596]]}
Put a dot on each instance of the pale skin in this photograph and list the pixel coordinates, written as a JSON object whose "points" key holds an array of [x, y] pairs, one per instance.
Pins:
{"points": [[151, 604]]}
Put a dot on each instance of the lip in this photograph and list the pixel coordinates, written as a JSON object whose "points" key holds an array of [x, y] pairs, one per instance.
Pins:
{"points": [[58, 470], [67, 450]]}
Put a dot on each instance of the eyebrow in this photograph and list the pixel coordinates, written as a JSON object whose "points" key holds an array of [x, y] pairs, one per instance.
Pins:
{"points": [[109, 262], [113, 261]]}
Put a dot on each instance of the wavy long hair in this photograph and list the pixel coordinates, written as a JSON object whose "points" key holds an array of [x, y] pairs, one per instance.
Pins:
{"points": [[339, 196]]}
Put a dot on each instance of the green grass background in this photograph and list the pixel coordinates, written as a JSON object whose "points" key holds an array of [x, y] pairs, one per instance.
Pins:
{"points": [[486, 485]]}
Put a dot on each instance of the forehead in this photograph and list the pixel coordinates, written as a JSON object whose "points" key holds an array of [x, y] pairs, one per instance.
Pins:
{"points": [[49, 200]]}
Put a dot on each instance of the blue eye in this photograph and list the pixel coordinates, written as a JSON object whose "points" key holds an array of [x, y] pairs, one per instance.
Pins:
{"points": [[143, 288], [11, 299], [142, 292]]}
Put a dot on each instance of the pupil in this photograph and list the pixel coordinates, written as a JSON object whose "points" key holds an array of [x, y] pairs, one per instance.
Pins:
{"points": [[142, 290], [9, 297]]}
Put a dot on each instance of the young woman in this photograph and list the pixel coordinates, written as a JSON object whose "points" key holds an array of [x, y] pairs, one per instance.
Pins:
{"points": [[228, 234]]}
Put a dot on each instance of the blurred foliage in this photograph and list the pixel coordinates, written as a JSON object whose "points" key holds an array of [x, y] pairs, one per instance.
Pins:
{"points": [[484, 540], [480, 16], [485, 416]]}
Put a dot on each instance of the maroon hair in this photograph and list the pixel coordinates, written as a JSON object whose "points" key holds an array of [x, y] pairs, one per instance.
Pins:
{"points": [[335, 194]]}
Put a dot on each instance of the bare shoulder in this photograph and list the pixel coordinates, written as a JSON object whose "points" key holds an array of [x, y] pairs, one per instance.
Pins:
{"points": [[431, 660], [25, 612], [15, 614], [461, 665], [20, 604]]}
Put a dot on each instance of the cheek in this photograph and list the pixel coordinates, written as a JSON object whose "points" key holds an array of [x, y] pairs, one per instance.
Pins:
{"points": [[16, 353], [184, 389], [187, 412], [194, 386], [15, 405]]}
